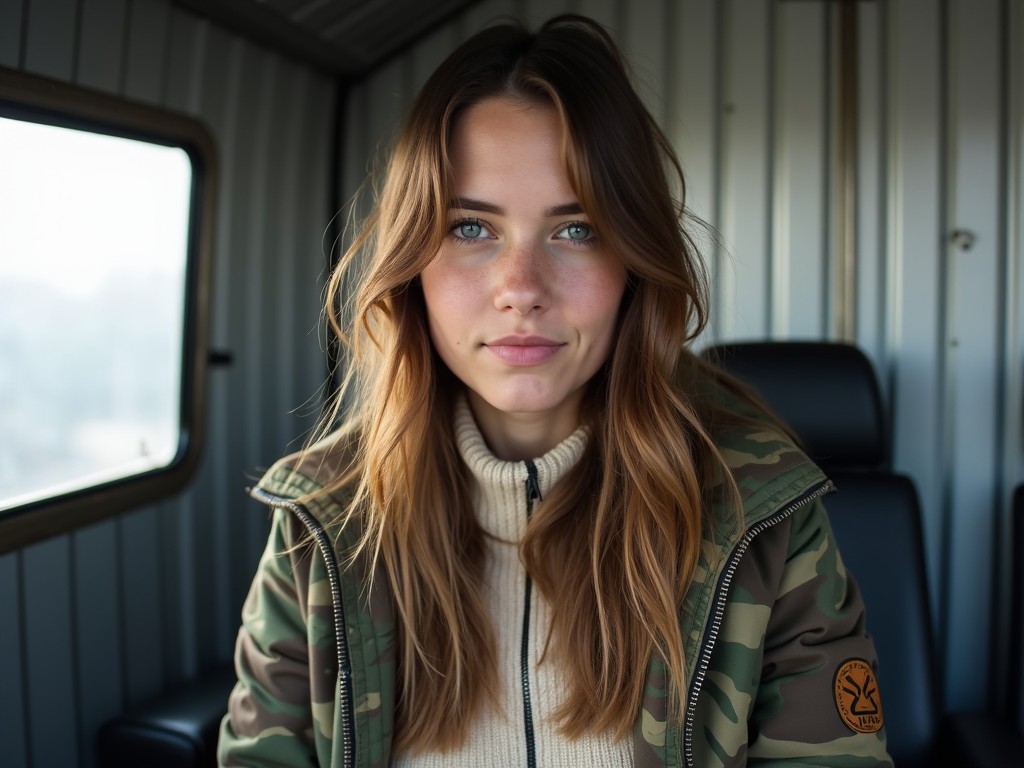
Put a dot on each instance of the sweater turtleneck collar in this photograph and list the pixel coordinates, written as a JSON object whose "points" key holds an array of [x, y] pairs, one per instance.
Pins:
{"points": [[500, 484]]}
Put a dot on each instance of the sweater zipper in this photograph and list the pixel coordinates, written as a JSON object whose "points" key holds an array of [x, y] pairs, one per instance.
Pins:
{"points": [[532, 495], [718, 609], [344, 664]]}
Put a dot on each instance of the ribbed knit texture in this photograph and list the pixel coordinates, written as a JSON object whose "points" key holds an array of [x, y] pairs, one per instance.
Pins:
{"points": [[499, 738]]}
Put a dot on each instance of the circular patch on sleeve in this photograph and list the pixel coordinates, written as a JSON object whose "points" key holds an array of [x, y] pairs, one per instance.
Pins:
{"points": [[856, 695]]}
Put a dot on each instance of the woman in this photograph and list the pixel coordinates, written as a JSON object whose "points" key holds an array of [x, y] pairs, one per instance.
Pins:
{"points": [[546, 534]]}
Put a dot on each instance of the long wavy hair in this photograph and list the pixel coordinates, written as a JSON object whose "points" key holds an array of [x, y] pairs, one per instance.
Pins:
{"points": [[614, 546]]}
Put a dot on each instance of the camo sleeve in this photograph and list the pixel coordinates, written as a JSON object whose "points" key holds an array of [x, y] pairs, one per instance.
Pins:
{"points": [[792, 681], [269, 720]]}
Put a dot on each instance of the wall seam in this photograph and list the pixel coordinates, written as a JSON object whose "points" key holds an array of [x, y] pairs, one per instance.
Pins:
{"points": [[946, 388], [26, 10], [76, 42], [829, 98], [771, 77], [1002, 573], [26, 704]]}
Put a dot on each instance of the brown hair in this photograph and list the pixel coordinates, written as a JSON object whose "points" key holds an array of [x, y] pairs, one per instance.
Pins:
{"points": [[614, 546]]}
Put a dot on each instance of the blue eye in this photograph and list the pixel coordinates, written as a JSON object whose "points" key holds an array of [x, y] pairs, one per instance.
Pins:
{"points": [[578, 232], [470, 229]]}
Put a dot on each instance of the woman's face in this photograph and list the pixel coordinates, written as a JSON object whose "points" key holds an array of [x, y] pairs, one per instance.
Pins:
{"points": [[522, 298]]}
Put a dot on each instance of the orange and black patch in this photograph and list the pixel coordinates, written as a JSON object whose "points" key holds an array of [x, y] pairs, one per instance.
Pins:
{"points": [[856, 695]]}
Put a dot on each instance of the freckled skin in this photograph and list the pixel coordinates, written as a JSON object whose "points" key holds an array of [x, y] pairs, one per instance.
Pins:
{"points": [[522, 297]]}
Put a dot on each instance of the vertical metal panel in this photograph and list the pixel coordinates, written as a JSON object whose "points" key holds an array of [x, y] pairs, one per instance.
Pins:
{"points": [[430, 52], [872, 192], [281, 237], [49, 652], [800, 248], [691, 94], [142, 628], [97, 617], [693, 119], [304, 144], [10, 34], [390, 92], [646, 50], [100, 43], [1012, 464], [315, 158], [357, 163], [244, 319], [148, 27], [51, 37], [260, 87], [175, 523], [916, 260], [744, 279], [976, 324], [1014, 293], [13, 722]]}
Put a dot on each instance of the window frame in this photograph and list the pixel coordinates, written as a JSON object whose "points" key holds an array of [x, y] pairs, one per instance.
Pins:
{"points": [[43, 100]]}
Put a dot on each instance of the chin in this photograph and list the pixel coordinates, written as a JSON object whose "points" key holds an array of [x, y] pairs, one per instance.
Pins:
{"points": [[522, 404]]}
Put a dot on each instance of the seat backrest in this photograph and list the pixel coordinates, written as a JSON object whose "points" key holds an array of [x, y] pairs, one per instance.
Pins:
{"points": [[829, 396]]}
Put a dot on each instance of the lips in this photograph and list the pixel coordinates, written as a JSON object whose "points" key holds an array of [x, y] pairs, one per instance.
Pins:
{"points": [[524, 350]]}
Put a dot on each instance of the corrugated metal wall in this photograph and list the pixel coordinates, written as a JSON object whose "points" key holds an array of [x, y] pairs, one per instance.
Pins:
{"points": [[749, 91], [114, 613]]}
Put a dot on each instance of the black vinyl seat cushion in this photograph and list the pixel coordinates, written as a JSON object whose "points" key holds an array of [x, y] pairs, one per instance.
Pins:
{"points": [[177, 730], [829, 396], [877, 524], [826, 392]]}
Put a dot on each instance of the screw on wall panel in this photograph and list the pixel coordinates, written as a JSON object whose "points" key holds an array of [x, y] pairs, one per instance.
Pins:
{"points": [[962, 239]]}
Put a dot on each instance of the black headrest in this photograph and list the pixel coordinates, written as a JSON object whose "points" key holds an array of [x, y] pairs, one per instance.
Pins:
{"points": [[826, 392]]}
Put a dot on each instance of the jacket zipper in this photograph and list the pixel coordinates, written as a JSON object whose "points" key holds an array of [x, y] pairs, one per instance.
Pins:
{"points": [[344, 664], [532, 495], [721, 592]]}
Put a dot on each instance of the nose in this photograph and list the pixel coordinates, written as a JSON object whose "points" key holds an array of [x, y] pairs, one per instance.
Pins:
{"points": [[521, 282]]}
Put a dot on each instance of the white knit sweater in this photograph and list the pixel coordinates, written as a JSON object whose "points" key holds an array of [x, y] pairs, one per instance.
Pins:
{"points": [[499, 738]]}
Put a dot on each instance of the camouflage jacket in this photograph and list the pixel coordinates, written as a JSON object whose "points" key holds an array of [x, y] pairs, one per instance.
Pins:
{"points": [[780, 669]]}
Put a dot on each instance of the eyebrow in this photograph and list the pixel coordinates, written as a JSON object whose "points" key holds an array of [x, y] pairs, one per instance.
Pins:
{"points": [[469, 204]]}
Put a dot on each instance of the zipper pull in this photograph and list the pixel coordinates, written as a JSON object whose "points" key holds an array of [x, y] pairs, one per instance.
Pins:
{"points": [[532, 487]]}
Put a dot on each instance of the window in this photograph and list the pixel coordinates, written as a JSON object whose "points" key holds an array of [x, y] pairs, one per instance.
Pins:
{"points": [[102, 348]]}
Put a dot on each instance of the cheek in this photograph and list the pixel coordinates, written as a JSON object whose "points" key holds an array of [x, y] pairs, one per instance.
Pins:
{"points": [[446, 299], [603, 298]]}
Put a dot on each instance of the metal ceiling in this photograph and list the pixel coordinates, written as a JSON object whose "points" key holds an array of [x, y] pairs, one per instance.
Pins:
{"points": [[340, 37]]}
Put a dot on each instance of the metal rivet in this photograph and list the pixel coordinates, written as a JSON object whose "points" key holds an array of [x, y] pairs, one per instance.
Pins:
{"points": [[962, 239]]}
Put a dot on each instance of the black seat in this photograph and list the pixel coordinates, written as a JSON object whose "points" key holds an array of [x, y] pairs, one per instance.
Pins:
{"points": [[176, 730], [994, 739], [829, 395]]}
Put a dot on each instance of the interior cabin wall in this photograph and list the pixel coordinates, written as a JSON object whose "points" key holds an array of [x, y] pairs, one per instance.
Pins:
{"points": [[749, 93], [747, 90], [111, 614]]}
